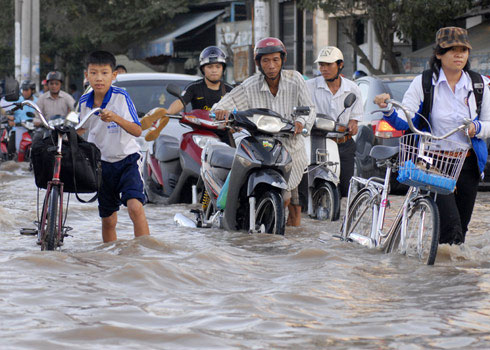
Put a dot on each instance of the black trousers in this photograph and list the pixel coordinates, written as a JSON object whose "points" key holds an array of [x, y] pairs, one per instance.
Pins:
{"points": [[455, 209], [347, 152]]}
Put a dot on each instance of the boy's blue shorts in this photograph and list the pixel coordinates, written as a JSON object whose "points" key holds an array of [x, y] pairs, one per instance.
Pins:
{"points": [[121, 181]]}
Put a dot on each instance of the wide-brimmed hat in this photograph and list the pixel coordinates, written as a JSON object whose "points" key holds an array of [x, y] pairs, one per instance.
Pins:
{"points": [[452, 36]]}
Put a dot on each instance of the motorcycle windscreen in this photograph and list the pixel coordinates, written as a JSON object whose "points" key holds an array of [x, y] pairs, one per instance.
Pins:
{"points": [[223, 194]]}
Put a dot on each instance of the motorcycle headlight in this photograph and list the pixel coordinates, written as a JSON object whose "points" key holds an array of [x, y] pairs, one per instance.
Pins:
{"points": [[201, 140], [268, 123], [71, 119], [324, 124]]}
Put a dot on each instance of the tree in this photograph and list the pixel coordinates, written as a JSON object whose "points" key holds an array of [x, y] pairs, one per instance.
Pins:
{"points": [[401, 18], [71, 28]]}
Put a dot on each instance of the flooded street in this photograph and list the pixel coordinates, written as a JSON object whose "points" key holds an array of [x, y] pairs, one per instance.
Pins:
{"points": [[187, 288]]}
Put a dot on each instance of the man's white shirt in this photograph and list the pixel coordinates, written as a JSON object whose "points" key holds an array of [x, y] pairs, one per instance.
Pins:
{"points": [[332, 105]]}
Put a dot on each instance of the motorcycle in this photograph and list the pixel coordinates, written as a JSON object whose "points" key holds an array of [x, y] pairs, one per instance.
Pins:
{"points": [[243, 185], [7, 140], [172, 163], [7, 143], [24, 153], [323, 174]]}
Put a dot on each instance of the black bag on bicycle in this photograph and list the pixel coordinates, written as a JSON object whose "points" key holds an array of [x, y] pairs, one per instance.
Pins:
{"points": [[81, 170]]}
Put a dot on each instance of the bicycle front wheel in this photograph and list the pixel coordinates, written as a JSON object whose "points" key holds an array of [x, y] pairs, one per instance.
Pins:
{"points": [[360, 219], [423, 228], [50, 238]]}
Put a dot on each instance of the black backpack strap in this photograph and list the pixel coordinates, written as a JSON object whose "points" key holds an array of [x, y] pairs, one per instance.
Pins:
{"points": [[73, 137], [478, 87], [428, 89]]}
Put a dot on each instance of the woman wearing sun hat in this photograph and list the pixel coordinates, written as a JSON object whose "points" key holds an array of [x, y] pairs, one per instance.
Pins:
{"points": [[453, 100]]}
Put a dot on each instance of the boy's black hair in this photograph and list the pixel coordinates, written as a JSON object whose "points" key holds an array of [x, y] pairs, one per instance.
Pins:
{"points": [[101, 58]]}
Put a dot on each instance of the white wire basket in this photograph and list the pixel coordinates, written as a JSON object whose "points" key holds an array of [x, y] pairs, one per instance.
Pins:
{"points": [[433, 165]]}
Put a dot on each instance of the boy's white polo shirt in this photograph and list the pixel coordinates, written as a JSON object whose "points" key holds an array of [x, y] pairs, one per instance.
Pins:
{"points": [[113, 141]]}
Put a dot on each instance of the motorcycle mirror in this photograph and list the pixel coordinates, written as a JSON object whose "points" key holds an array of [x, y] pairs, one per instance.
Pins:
{"points": [[349, 100], [174, 90], [11, 90]]}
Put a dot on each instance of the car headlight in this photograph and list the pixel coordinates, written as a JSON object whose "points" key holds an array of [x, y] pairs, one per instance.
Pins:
{"points": [[324, 124], [202, 141], [268, 123]]}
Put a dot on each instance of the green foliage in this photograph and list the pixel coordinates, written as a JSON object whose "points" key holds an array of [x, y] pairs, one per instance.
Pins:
{"points": [[71, 28], [407, 19], [431, 15]]}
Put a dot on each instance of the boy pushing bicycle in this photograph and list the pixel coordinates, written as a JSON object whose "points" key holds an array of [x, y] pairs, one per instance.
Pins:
{"points": [[114, 133]]}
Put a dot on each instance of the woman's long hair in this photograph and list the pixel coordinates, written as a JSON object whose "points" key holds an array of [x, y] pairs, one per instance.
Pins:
{"points": [[435, 63]]}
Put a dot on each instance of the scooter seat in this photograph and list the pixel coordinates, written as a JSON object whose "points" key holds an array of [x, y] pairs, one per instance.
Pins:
{"points": [[221, 155], [167, 148]]}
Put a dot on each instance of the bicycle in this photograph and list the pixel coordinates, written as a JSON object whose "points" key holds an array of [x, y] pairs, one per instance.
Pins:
{"points": [[430, 165], [51, 226]]}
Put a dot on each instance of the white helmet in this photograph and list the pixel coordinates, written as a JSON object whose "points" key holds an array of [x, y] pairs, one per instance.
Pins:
{"points": [[329, 54]]}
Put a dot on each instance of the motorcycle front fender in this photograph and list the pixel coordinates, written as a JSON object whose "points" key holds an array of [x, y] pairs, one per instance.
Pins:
{"points": [[320, 173], [267, 176]]}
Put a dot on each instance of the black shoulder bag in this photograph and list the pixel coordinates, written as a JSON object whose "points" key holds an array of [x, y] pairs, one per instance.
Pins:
{"points": [[81, 169]]}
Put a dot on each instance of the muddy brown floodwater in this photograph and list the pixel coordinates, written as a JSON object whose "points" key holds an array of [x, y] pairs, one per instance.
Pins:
{"points": [[187, 288]]}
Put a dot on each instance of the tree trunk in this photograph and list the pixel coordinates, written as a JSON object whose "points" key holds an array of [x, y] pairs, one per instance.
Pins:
{"points": [[363, 57], [385, 36]]}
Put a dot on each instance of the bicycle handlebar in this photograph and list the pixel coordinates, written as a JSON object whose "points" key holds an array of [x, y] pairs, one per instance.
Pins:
{"points": [[84, 120], [409, 115], [43, 119]]}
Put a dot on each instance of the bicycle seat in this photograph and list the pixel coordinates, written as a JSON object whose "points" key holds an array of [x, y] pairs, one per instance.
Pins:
{"points": [[383, 152]]}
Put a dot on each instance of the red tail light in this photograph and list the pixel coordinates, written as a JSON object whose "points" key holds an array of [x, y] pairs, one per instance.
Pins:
{"points": [[386, 131]]}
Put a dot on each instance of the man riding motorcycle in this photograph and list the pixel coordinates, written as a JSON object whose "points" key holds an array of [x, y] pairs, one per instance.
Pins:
{"points": [[280, 90], [328, 92], [28, 88], [202, 93], [55, 102]]}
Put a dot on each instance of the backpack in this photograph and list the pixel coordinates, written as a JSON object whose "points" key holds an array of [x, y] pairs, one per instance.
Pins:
{"points": [[478, 87]]}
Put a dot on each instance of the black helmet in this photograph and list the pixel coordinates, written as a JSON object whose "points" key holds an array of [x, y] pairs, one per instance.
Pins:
{"points": [[54, 75], [28, 84], [212, 54]]}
